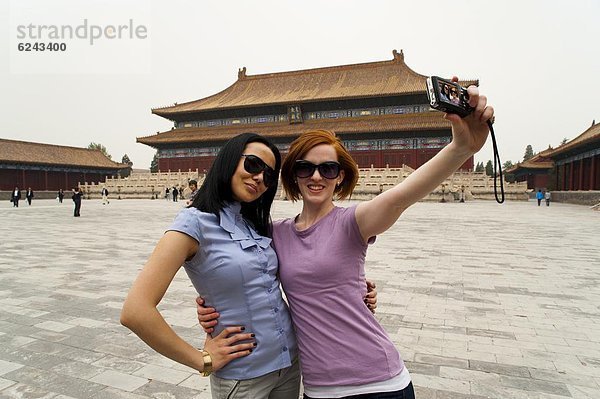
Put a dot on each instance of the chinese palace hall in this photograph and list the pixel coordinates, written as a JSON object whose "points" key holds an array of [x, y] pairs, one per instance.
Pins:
{"points": [[378, 109]]}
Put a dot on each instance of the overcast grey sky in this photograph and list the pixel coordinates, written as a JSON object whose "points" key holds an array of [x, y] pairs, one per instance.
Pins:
{"points": [[537, 61]]}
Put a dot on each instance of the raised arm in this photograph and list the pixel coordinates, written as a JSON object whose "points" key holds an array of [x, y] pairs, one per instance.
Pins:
{"points": [[140, 313], [468, 136]]}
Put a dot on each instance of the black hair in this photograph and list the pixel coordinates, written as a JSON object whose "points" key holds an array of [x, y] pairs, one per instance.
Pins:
{"points": [[216, 188]]}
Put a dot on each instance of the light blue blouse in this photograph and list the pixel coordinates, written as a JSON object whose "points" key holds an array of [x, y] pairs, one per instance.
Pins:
{"points": [[235, 270]]}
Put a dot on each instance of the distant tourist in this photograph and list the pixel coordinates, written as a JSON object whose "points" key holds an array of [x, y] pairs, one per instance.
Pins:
{"points": [[167, 193], [193, 185], [77, 194], [175, 194], [60, 195], [105, 196], [539, 196], [15, 197], [547, 196], [29, 195]]}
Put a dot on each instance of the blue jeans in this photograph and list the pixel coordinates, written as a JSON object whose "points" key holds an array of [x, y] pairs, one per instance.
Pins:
{"points": [[406, 393]]}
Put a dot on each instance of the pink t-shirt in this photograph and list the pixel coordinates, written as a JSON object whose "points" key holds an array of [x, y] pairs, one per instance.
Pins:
{"points": [[323, 275]]}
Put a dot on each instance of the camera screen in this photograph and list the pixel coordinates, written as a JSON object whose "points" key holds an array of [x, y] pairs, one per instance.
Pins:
{"points": [[449, 92]]}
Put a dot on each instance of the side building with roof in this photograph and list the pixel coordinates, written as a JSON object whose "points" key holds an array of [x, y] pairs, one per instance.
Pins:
{"points": [[573, 166], [379, 110], [49, 167], [577, 162]]}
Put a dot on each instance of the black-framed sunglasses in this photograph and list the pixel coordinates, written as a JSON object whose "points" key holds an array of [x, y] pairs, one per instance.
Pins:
{"points": [[255, 165], [328, 170]]}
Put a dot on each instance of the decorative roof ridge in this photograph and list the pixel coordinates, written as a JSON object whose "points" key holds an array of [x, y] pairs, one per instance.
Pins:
{"points": [[397, 59]]}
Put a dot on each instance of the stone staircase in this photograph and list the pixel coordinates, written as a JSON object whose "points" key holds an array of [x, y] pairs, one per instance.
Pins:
{"points": [[143, 185], [471, 185]]}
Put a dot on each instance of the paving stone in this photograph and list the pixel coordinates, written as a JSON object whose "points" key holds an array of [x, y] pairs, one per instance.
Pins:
{"points": [[7, 367], [511, 309], [112, 393], [119, 380], [53, 382], [528, 384], [162, 374], [497, 368], [24, 391], [442, 361], [160, 389]]}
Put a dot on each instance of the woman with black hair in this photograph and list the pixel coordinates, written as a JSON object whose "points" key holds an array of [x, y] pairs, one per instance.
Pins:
{"points": [[222, 241]]}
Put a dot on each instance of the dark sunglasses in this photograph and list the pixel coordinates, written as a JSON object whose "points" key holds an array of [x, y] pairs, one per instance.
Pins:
{"points": [[328, 170], [255, 165]]}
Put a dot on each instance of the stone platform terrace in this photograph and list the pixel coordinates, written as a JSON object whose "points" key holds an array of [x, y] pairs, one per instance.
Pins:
{"points": [[482, 300]]}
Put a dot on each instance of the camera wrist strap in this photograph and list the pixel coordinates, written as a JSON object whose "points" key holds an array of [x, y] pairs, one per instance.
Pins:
{"points": [[497, 167]]}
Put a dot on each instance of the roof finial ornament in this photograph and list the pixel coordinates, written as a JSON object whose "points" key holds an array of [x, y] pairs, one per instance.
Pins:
{"points": [[398, 56], [593, 122], [242, 73]]}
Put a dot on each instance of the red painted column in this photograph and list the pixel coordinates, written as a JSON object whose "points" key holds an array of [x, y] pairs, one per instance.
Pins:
{"points": [[571, 174], [593, 173], [580, 180], [46, 180], [557, 182]]}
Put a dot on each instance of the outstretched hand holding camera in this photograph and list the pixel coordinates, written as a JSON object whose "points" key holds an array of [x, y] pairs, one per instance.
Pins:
{"points": [[470, 132], [469, 114]]}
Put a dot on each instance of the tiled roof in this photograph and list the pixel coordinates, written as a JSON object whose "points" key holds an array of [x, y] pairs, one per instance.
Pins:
{"points": [[374, 79], [24, 152], [538, 161], [365, 124], [590, 135]]}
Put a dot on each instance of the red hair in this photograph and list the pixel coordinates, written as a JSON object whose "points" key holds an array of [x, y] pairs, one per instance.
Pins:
{"points": [[304, 144]]}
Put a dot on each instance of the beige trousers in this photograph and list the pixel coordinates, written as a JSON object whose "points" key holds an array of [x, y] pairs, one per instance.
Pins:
{"points": [[280, 384]]}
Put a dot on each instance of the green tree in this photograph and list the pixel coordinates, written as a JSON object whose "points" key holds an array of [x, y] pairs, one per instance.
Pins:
{"points": [[479, 167], [528, 152], [126, 172], [154, 163], [126, 160], [507, 165], [489, 168], [98, 146]]}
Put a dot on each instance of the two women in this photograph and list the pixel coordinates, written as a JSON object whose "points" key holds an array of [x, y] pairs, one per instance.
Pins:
{"points": [[344, 352]]}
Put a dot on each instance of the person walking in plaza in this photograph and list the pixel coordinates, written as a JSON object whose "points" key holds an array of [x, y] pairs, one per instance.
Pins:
{"points": [[539, 196], [76, 197], [547, 196], [322, 250], [167, 197], [175, 193], [15, 197], [29, 195], [60, 195], [104, 193]]}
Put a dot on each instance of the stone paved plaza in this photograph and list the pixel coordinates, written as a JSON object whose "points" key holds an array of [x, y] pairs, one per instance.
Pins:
{"points": [[482, 300]]}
